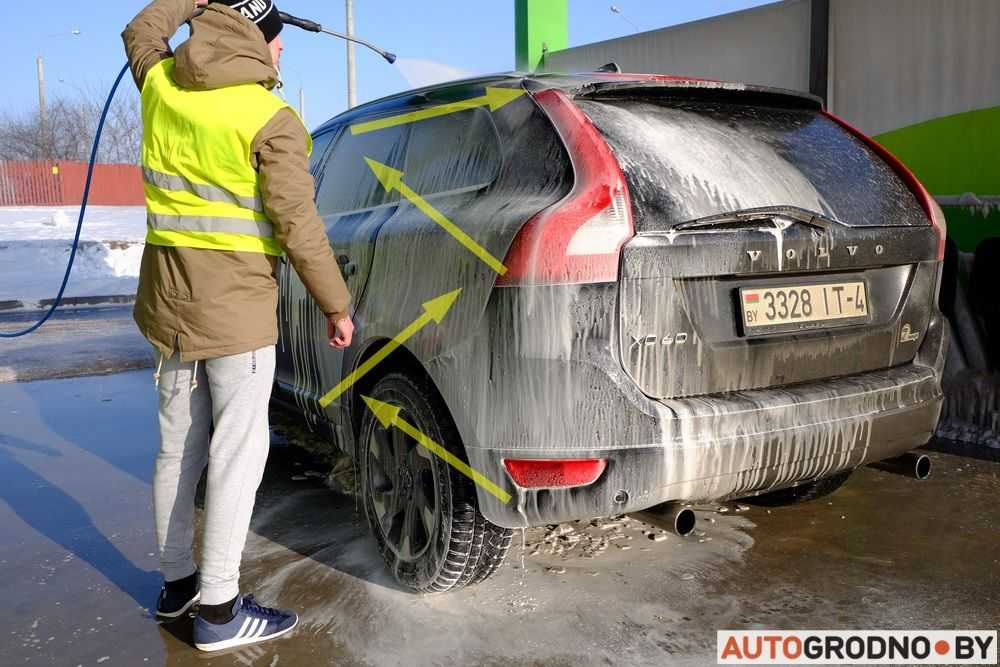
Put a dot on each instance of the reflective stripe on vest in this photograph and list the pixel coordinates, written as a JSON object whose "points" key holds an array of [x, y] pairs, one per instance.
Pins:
{"points": [[201, 188], [204, 223], [205, 191]]}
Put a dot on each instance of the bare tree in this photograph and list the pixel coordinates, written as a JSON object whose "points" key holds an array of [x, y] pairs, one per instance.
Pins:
{"points": [[72, 123]]}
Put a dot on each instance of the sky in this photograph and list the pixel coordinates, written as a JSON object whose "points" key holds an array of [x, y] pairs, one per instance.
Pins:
{"points": [[438, 39]]}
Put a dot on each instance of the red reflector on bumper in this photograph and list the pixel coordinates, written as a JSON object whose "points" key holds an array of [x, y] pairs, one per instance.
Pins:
{"points": [[546, 473]]}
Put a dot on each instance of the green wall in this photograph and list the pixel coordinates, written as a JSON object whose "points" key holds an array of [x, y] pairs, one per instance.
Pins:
{"points": [[967, 226], [951, 156], [954, 154], [539, 24]]}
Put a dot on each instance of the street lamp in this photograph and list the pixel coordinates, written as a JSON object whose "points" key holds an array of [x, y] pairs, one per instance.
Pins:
{"points": [[42, 115], [615, 9]]}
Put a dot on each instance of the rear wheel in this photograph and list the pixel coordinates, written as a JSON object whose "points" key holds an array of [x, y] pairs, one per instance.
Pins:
{"points": [[802, 493], [423, 513]]}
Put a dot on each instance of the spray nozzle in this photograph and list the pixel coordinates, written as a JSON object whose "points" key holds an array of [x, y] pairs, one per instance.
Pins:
{"points": [[312, 26]]}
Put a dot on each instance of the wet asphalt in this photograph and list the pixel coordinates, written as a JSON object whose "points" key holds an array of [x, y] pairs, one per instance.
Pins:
{"points": [[78, 572], [86, 340]]}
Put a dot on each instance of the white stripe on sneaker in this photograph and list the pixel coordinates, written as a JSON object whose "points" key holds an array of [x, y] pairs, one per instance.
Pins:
{"points": [[263, 627], [243, 627], [230, 643]]}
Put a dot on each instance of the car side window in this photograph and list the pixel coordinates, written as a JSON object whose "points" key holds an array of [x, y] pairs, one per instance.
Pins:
{"points": [[321, 144], [453, 152], [348, 184]]}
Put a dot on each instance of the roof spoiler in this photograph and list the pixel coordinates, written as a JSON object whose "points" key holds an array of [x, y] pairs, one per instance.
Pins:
{"points": [[651, 86]]}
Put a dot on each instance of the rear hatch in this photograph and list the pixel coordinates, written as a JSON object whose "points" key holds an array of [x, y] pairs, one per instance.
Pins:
{"points": [[772, 245]]}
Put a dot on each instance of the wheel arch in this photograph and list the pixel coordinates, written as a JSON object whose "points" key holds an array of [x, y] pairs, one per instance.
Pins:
{"points": [[400, 360]]}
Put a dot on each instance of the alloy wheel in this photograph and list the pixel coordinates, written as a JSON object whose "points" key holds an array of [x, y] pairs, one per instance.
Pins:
{"points": [[403, 487]]}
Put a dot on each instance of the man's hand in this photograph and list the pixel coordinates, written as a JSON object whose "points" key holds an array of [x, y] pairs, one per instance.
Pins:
{"points": [[340, 332]]}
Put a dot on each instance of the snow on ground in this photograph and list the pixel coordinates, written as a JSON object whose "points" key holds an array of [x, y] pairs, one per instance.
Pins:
{"points": [[35, 243], [102, 223]]}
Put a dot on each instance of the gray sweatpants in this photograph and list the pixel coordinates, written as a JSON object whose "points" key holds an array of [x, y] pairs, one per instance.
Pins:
{"points": [[233, 393]]}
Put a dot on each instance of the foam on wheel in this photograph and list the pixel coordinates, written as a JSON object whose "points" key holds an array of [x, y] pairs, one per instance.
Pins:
{"points": [[423, 513]]}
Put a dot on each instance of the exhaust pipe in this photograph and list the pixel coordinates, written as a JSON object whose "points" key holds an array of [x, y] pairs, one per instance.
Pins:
{"points": [[673, 516], [915, 466]]}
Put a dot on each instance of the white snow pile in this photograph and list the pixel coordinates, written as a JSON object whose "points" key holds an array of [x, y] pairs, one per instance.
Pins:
{"points": [[35, 244]]}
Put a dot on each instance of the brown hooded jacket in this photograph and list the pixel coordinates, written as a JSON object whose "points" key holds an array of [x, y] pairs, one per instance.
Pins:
{"points": [[209, 303]]}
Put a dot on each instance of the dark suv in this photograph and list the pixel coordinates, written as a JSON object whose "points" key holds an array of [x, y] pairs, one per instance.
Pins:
{"points": [[707, 291]]}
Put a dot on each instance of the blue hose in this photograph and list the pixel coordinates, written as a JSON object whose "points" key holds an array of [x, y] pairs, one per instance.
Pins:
{"points": [[79, 222]]}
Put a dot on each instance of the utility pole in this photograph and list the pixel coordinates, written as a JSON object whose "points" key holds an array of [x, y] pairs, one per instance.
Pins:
{"points": [[352, 96], [43, 116]]}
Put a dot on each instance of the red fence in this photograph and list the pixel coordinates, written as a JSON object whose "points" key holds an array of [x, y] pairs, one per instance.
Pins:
{"points": [[61, 184]]}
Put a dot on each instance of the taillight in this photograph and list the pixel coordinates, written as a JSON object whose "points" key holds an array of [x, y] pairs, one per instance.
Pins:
{"points": [[548, 473], [578, 239], [931, 208]]}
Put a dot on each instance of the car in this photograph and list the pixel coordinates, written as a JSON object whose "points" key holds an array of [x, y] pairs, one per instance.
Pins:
{"points": [[579, 296]]}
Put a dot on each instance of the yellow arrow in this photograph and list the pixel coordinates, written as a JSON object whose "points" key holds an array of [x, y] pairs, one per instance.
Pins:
{"points": [[392, 179], [494, 99], [388, 415], [435, 310]]}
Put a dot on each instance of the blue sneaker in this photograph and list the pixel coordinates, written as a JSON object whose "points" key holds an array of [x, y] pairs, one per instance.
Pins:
{"points": [[172, 605], [252, 624]]}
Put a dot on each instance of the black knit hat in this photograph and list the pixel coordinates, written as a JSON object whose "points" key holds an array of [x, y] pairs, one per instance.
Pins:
{"points": [[263, 13]]}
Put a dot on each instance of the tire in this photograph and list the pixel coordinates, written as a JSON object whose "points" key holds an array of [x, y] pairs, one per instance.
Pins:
{"points": [[490, 555], [423, 514], [802, 493]]}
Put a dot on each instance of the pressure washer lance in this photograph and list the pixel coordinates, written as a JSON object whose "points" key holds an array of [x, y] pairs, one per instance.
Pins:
{"points": [[312, 26], [305, 24]]}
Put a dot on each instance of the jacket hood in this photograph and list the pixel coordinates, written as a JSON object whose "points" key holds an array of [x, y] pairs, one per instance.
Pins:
{"points": [[225, 49]]}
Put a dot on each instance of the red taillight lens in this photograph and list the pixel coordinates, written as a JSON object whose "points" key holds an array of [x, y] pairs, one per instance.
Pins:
{"points": [[579, 239], [547, 473], [931, 208]]}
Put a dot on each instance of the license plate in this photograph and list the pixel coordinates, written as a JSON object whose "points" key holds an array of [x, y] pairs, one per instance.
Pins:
{"points": [[802, 306]]}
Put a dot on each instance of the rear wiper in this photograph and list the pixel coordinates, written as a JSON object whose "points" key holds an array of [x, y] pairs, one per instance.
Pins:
{"points": [[754, 215]]}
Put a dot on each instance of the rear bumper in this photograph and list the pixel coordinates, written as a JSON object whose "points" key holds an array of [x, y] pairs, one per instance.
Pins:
{"points": [[738, 444]]}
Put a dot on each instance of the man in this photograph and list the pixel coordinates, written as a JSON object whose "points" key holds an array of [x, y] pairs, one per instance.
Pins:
{"points": [[227, 190]]}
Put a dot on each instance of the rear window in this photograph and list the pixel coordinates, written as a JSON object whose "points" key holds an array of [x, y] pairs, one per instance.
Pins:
{"points": [[686, 160]]}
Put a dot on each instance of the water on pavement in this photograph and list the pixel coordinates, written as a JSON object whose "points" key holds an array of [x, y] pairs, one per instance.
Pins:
{"points": [[78, 572]]}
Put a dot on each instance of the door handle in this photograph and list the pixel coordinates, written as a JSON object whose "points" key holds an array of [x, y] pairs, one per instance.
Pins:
{"points": [[347, 267]]}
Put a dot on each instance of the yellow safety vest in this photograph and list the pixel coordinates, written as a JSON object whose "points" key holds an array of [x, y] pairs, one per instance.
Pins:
{"points": [[201, 188]]}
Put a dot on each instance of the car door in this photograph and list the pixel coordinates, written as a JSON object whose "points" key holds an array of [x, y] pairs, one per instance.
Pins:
{"points": [[291, 289], [353, 205], [352, 201]]}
